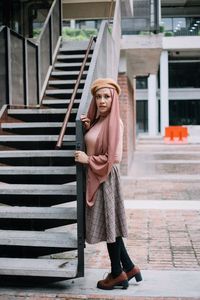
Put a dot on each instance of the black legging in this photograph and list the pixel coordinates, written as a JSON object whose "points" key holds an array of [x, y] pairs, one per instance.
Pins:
{"points": [[119, 257]]}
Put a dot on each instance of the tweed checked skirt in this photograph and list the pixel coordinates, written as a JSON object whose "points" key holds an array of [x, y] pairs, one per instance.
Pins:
{"points": [[106, 219]]}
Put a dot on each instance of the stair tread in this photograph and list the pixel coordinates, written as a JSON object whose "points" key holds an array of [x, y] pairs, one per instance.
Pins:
{"points": [[29, 170], [58, 101], [69, 64], [37, 153], [65, 81], [40, 111], [62, 91], [36, 138], [35, 124], [23, 212], [71, 56], [38, 267], [67, 239], [42, 189], [67, 72]]}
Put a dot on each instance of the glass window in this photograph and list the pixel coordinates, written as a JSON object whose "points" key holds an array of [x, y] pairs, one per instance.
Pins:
{"points": [[142, 115], [181, 26], [178, 24], [184, 112], [167, 23], [184, 74], [141, 82]]}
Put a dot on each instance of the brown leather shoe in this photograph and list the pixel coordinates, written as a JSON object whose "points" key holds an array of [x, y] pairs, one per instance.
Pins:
{"points": [[134, 272], [110, 283]]}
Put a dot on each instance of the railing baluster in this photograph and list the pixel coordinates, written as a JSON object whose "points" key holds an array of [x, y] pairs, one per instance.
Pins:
{"points": [[69, 108]]}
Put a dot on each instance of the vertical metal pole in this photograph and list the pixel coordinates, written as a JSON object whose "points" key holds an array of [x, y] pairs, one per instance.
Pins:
{"points": [[51, 38], [60, 17], [25, 72], [80, 201], [9, 68], [38, 73]]}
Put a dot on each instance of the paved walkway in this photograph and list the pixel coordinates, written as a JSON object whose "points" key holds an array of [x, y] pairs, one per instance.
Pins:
{"points": [[163, 211]]}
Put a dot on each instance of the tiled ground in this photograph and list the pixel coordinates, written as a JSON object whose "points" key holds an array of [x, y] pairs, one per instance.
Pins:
{"points": [[158, 239]]}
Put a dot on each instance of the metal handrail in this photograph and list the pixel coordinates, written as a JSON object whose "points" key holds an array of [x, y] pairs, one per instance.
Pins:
{"points": [[46, 21], [69, 108]]}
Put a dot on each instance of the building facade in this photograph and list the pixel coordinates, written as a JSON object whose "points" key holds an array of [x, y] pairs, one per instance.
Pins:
{"points": [[172, 96]]}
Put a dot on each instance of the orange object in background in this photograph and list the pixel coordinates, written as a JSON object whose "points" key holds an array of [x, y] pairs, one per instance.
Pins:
{"points": [[176, 134]]}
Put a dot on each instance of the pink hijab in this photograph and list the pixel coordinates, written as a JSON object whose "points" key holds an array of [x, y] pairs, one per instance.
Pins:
{"points": [[101, 163]]}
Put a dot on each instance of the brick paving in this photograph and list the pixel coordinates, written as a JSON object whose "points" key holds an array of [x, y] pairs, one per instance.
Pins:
{"points": [[158, 240]]}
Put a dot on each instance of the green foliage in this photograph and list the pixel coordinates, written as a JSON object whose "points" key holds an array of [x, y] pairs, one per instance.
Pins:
{"points": [[169, 33], [161, 28], [36, 32], [78, 34]]}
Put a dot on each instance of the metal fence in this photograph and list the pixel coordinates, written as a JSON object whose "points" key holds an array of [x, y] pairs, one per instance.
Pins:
{"points": [[145, 18], [26, 63]]}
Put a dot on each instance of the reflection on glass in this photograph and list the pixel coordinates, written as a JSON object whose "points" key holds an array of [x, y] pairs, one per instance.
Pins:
{"points": [[181, 26]]}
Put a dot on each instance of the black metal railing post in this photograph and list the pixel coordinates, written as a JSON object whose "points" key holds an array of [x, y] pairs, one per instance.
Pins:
{"points": [[38, 73], [25, 72], [8, 67], [80, 200]]}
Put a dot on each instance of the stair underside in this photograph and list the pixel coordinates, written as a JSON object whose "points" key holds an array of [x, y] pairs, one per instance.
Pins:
{"points": [[38, 267]]}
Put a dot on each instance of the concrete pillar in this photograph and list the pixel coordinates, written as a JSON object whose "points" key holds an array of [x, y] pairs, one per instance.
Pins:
{"points": [[72, 24], [164, 97], [152, 106]]}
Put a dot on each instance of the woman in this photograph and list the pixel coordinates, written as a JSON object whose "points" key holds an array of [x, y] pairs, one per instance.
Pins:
{"points": [[105, 213]]}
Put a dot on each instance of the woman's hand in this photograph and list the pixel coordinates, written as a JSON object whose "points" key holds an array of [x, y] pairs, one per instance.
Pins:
{"points": [[81, 157], [86, 121]]}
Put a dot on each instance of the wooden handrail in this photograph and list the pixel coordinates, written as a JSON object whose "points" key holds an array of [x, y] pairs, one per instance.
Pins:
{"points": [[69, 108]]}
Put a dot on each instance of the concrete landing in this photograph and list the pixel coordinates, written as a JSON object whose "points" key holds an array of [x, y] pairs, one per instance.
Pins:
{"points": [[156, 284]]}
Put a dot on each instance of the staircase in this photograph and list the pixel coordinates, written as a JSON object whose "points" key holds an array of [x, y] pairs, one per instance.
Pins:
{"points": [[38, 189]]}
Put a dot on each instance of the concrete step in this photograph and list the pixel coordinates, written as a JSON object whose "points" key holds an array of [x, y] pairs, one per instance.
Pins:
{"points": [[59, 241], [47, 213], [35, 138], [37, 158], [59, 103], [42, 115], [70, 65], [167, 155], [33, 195], [68, 74], [62, 93], [36, 218], [72, 57], [162, 187], [42, 189], [65, 83], [37, 153], [35, 142], [59, 268], [37, 175], [34, 111], [38, 128], [44, 170], [165, 167]]}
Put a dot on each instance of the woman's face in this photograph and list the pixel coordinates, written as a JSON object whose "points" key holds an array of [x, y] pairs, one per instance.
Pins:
{"points": [[103, 101]]}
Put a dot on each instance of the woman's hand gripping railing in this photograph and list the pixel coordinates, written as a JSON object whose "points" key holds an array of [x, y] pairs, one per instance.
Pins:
{"points": [[70, 106]]}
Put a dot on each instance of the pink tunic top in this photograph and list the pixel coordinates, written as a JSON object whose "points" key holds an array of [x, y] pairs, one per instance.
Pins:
{"points": [[92, 135]]}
